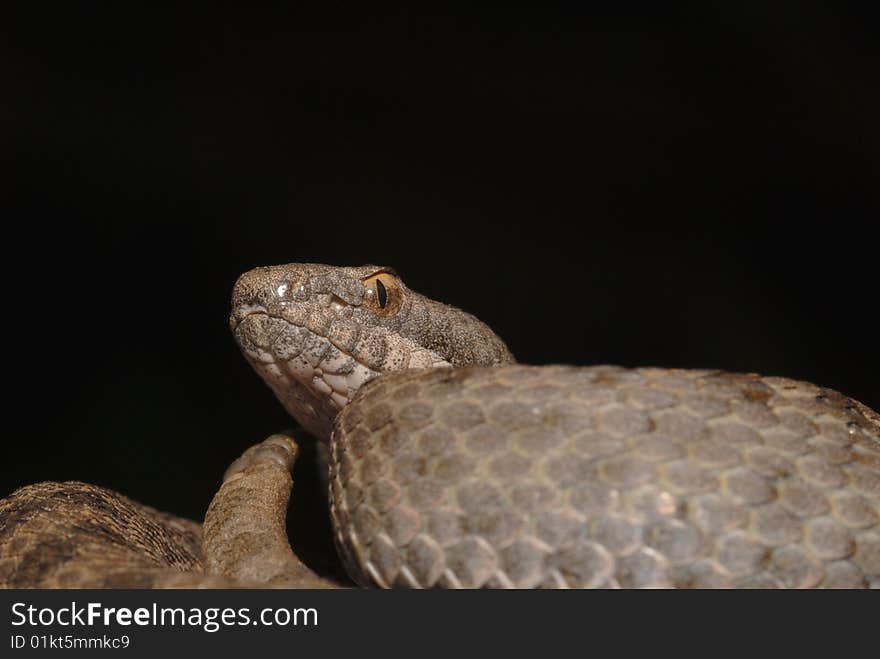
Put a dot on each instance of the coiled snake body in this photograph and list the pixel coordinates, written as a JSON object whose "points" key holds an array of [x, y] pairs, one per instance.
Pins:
{"points": [[452, 466]]}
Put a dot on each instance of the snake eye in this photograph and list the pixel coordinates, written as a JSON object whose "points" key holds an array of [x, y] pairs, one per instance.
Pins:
{"points": [[383, 294]]}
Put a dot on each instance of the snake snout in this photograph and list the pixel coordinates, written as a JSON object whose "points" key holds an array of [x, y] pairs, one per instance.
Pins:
{"points": [[264, 290]]}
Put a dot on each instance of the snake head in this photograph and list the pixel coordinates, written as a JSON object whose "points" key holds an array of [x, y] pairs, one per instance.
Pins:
{"points": [[317, 333]]}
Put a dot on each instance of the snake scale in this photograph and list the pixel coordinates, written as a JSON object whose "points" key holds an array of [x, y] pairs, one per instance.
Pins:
{"points": [[452, 466]]}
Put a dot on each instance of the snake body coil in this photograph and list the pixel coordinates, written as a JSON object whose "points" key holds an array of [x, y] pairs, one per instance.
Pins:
{"points": [[452, 466], [479, 472]]}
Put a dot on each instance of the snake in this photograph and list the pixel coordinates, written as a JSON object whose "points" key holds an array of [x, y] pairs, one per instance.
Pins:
{"points": [[451, 465]]}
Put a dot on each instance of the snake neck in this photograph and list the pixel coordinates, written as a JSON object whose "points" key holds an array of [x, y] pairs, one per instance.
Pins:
{"points": [[316, 334]]}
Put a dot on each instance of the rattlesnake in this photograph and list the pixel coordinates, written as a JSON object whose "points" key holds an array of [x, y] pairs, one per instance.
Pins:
{"points": [[452, 466]]}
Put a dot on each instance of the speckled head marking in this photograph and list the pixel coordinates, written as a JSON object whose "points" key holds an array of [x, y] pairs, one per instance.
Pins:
{"points": [[316, 333]]}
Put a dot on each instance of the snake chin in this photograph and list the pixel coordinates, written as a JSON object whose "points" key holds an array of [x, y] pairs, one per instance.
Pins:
{"points": [[312, 378]]}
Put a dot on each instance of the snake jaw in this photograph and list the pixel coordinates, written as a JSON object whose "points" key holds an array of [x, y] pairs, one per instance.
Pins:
{"points": [[311, 378]]}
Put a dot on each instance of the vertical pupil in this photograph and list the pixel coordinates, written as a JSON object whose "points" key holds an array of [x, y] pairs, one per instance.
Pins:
{"points": [[383, 294]]}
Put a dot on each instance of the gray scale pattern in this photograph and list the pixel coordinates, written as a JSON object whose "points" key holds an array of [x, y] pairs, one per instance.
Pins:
{"points": [[566, 477]]}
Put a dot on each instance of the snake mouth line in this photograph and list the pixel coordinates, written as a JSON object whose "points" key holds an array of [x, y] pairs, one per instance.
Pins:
{"points": [[238, 318], [244, 311]]}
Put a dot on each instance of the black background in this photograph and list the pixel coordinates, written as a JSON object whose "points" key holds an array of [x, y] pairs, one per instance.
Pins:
{"points": [[691, 186]]}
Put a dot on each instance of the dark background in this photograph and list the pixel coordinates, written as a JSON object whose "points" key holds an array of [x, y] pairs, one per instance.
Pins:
{"points": [[691, 186]]}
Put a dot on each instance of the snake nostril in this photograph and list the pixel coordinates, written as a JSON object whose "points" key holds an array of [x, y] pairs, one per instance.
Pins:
{"points": [[265, 289], [251, 292]]}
